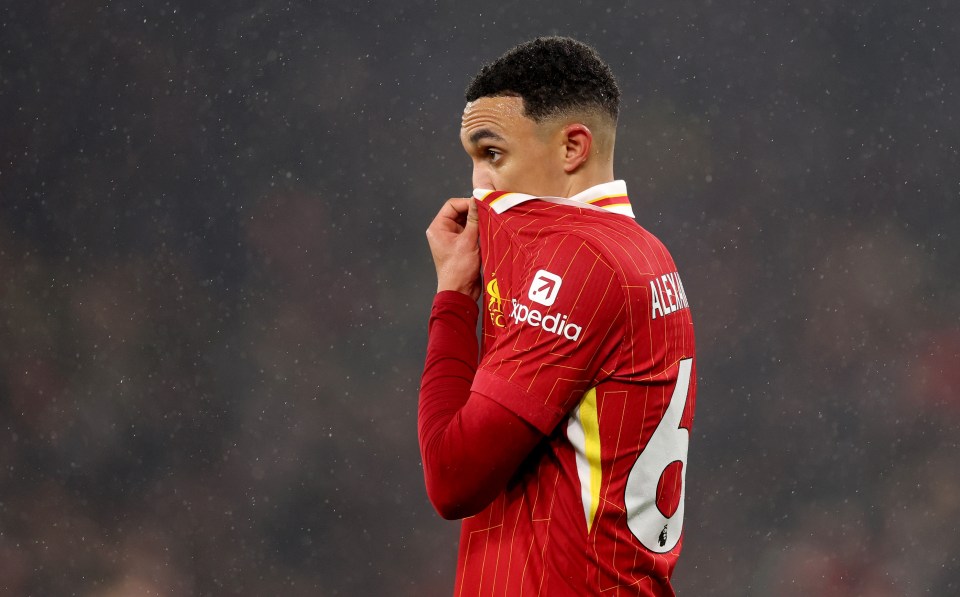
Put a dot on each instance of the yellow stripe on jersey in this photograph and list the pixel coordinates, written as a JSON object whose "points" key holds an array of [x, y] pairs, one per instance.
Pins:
{"points": [[590, 420], [609, 205], [500, 198], [583, 431], [606, 197]]}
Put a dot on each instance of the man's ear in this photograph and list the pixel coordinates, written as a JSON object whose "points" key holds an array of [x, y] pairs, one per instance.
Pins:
{"points": [[577, 140]]}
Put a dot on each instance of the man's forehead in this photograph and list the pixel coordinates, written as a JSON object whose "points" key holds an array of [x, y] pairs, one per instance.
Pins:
{"points": [[492, 111]]}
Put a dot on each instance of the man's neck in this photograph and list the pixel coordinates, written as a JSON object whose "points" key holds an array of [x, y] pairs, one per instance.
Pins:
{"points": [[581, 181]]}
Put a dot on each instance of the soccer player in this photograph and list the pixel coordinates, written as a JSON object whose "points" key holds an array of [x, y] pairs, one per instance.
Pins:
{"points": [[562, 441]]}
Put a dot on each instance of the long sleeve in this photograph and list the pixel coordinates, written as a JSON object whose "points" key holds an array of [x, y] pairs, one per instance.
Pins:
{"points": [[470, 444]]}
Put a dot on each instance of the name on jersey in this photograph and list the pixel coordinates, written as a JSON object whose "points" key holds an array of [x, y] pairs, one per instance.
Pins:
{"points": [[667, 295], [555, 324]]}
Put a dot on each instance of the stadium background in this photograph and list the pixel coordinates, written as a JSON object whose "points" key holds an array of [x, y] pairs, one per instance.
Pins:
{"points": [[215, 285]]}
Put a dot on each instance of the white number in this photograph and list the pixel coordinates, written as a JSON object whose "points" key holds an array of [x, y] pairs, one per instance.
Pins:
{"points": [[667, 445]]}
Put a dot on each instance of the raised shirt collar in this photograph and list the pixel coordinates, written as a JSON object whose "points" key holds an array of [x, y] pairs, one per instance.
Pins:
{"points": [[608, 196]]}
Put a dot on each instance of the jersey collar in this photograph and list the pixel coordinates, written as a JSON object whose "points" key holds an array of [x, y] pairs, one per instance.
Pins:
{"points": [[608, 196]]}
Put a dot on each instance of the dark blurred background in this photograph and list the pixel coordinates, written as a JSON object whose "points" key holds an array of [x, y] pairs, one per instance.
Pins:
{"points": [[214, 285]]}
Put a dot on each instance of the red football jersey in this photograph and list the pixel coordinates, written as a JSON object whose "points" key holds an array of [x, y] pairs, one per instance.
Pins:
{"points": [[587, 335]]}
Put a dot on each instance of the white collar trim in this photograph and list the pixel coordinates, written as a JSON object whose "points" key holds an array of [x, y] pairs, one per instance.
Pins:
{"points": [[608, 196]]}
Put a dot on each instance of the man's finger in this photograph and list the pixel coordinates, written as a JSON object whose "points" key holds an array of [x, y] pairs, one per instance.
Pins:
{"points": [[473, 219], [455, 208], [451, 216], [471, 229], [472, 215]]}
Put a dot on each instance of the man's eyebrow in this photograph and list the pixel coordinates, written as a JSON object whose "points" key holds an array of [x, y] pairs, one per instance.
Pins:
{"points": [[484, 134]]}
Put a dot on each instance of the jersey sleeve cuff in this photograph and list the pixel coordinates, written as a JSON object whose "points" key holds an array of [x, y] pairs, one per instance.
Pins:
{"points": [[544, 417], [454, 299]]}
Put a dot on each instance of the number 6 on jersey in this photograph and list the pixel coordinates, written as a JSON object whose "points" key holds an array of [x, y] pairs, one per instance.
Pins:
{"points": [[667, 449]]}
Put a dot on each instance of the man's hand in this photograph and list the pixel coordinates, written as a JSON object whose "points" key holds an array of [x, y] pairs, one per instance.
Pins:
{"points": [[454, 242]]}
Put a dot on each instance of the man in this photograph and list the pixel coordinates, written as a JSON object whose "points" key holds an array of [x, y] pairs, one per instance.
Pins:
{"points": [[563, 444]]}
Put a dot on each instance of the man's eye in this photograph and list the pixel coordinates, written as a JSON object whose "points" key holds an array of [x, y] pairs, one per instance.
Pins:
{"points": [[493, 155]]}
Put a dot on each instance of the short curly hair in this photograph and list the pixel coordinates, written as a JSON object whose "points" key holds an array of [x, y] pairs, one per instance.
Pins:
{"points": [[553, 75]]}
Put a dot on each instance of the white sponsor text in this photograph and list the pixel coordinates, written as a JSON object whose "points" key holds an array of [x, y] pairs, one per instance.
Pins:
{"points": [[555, 324]]}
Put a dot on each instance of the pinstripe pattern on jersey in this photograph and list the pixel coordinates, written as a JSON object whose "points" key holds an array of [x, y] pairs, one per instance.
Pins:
{"points": [[533, 540]]}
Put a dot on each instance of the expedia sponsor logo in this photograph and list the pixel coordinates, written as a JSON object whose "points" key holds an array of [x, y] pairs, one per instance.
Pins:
{"points": [[555, 324], [545, 288]]}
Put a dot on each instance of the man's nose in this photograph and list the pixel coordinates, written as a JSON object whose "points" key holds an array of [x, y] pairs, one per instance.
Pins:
{"points": [[482, 178]]}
